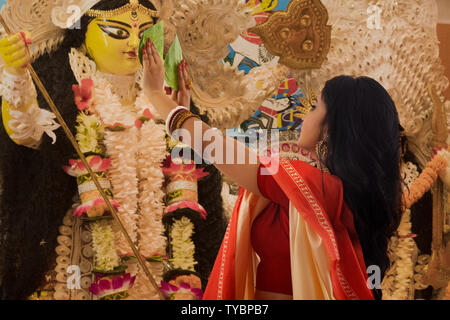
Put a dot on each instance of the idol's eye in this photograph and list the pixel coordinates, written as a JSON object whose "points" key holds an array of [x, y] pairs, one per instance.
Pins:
{"points": [[313, 107], [115, 32]]}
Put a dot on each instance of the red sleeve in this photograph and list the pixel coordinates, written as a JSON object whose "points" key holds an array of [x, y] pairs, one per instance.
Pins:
{"points": [[270, 189]]}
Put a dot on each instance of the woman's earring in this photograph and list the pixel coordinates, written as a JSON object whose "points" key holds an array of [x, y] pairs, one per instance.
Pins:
{"points": [[322, 150], [322, 153]]}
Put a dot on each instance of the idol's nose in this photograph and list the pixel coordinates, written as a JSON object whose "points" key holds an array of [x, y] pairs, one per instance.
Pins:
{"points": [[134, 40]]}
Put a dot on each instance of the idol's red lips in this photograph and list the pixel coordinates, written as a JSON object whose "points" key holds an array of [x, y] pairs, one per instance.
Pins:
{"points": [[131, 54]]}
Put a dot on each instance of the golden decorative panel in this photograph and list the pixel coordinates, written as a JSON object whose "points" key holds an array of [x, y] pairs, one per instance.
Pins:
{"points": [[300, 35]]}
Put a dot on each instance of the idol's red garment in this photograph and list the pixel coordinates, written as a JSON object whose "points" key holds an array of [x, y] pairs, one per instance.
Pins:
{"points": [[270, 239], [326, 259]]}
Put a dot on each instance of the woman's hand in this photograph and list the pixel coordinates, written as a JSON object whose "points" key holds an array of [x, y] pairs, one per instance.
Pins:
{"points": [[14, 52], [183, 96], [153, 70]]}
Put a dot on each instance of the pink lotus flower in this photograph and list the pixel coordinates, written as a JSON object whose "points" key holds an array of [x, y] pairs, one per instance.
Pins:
{"points": [[83, 94], [187, 204], [182, 171], [85, 207], [183, 291], [97, 164], [104, 287]]}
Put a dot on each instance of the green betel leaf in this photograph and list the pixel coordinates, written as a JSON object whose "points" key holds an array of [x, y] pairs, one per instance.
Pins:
{"points": [[156, 35], [173, 59]]}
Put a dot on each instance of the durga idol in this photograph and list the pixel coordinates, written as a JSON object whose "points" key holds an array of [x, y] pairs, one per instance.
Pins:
{"points": [[49, 202]]}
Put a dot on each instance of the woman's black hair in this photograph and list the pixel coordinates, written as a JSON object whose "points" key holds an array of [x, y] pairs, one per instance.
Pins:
{"points": [[36, 191], [364, 152]]}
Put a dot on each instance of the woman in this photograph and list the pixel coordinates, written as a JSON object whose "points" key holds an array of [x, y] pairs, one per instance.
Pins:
{"points": [[314, 232]]}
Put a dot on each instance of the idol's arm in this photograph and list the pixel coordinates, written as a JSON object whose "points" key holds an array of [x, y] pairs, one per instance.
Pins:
{"points": [[242, 172], [23, 120]]}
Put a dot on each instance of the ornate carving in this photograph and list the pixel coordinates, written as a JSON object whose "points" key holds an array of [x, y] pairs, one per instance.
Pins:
{"points": [[228, 96], [300, 36], [403, 56], [206, 27], [438, 273], [74, 249]]}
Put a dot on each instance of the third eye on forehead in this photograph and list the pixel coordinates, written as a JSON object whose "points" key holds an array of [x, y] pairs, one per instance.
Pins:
{"points": [[145, 24]]}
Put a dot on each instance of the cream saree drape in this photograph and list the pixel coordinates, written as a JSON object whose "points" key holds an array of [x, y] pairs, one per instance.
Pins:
{"points": [[311, 279]]}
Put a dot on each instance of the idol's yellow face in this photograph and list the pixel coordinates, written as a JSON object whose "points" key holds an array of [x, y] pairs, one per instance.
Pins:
{"points": [[113, 42]]}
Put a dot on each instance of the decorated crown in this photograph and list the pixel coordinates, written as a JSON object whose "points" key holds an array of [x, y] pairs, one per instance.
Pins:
{"points": [[134, 6]]}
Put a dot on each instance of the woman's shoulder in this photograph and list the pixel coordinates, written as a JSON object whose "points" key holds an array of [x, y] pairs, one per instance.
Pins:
{"points": [[311, 169], [298, 170], [305, 174]]}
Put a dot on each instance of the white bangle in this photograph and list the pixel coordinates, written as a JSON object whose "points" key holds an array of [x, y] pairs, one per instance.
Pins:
{"points": [[90, 186], [171, 116], [181, 185]]}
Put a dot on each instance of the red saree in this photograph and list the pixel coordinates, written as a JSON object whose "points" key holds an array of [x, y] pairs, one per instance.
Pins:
{"points": [[326, 256]]}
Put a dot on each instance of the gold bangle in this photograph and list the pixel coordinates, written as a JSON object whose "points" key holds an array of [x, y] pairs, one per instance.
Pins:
{"points": [[176, 118], [181, 118]]}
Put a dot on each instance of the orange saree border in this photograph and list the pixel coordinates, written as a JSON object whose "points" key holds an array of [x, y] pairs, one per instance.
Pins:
{"points": [[323, 226]]}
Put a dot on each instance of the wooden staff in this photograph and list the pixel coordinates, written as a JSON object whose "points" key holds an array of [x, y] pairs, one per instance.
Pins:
{"points": [[436, 274]]}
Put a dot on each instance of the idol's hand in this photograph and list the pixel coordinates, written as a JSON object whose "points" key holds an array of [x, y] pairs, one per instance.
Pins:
{"points": [[14, 52], [183, 96], [153, 70]]}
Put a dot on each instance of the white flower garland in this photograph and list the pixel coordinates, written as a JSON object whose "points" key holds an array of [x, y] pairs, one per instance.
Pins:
{"points": [[135, 173], [89, 132], [151, 153], [398, 283], [404, 263], [106, 258], [182, 245], [121, 147]]}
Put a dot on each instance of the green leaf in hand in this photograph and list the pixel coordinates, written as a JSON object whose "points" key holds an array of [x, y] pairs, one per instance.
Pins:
{"points": [[173, 59], [156, 35]]}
